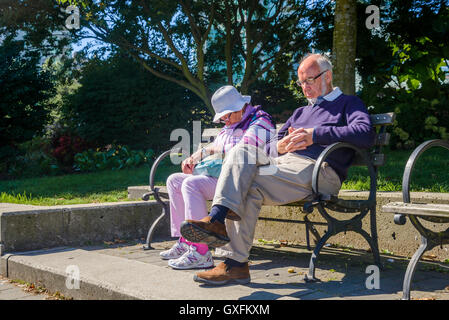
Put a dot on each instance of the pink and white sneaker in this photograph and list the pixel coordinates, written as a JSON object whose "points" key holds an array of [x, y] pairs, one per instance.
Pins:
{"points": [[192, 260], [178, 249]]}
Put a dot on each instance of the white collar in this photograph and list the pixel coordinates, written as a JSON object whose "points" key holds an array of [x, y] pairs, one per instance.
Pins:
{"points": [[331, 96], [334, 94]]}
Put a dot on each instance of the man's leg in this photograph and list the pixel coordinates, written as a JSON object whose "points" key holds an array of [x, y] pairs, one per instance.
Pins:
{"points": [[239, 169], [290, 183]]}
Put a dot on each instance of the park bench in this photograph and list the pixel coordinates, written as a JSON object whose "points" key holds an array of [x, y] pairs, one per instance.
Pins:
{"points": [[437, 213], [372, 159]]}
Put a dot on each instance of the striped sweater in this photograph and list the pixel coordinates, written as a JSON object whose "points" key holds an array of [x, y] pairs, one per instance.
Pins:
{"points": [[255, 128]]}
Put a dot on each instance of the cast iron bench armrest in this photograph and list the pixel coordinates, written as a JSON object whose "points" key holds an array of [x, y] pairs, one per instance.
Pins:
{"points": [[159, 191], [400, 217], [334, 202]]}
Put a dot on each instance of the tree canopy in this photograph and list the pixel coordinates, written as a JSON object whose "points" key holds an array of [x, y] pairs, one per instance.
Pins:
{"points": [[206, 42], [24, 92]]}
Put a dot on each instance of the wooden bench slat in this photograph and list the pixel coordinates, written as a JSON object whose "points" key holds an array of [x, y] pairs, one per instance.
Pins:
{"points": [[418, 209], [382, 139], [381, 119]]}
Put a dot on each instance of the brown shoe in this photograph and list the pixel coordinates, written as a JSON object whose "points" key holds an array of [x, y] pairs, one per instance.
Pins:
{"points": [[223, 274], [204, 231], [231, 215]]}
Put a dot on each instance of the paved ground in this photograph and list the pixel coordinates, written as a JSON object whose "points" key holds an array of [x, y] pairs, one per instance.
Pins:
{"points": [[19, 291], [143, 274]]}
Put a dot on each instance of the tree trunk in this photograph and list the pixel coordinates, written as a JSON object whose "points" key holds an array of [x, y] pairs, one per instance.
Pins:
{"points": [[344, 45]]}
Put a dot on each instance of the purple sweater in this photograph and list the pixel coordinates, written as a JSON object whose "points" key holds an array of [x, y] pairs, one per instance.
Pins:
{"points": [[344, 119]]}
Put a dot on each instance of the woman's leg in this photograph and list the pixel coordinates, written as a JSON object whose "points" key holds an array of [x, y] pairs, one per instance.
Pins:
{"points": [[196, 190], [177, 207]]}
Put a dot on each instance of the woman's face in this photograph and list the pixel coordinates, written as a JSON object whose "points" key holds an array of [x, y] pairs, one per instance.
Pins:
{"points": [[233, 117]]}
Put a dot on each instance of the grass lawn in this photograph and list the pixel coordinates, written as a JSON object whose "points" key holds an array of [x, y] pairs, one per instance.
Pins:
{"points": [[105, 186], [430, 174]]}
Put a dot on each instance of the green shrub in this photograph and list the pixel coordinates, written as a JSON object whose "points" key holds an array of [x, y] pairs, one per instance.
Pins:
{"points": [[34, 160], [115, 158], [24, 91], [120, 103]]}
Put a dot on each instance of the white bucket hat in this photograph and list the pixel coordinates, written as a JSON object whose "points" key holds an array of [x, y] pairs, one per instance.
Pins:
{"points": [[226, 100]]}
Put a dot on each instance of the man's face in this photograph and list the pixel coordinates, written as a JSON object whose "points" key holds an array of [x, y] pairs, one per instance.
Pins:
{"points": [[310, 69]]}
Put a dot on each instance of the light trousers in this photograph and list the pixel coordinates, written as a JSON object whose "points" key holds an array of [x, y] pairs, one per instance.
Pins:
{"points": [[188, 198], [250, 179]]}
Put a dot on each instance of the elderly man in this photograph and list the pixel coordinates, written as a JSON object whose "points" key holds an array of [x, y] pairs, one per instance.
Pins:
{"points": [[244, 185]]}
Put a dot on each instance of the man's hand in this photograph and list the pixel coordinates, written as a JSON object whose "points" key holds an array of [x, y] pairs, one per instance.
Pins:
{"points": [[297, 139]]}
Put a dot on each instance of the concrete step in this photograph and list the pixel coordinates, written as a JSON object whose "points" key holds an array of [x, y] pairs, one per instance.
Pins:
{"points": [[125, 271], [103, 276], [26, 227]]}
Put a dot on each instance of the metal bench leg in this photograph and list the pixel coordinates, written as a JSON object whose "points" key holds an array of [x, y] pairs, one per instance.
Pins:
{"points": [[165, 210], [373, 245], [411, 268], [310, 277]]}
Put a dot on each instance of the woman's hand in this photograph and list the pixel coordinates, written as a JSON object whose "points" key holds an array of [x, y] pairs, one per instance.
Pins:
{"points": [[188, 164]]}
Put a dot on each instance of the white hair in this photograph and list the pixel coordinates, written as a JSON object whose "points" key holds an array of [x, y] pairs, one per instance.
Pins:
{"points": [[322, 61]]}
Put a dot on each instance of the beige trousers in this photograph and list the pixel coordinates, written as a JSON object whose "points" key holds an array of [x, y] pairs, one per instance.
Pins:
{"points": [[250, 179]]}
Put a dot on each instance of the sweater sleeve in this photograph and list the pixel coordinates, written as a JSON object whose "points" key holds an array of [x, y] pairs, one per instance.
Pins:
{"points": [[357, 130]]}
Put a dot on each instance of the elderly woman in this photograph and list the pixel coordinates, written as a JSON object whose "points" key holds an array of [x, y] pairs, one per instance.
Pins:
{"points": [[189, 191]]}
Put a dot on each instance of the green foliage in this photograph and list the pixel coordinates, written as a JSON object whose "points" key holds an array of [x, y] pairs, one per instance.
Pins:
{"points": [[404, 69], [34, 160], [24, 90], [277, 99], [120, 103], [116, 158]]}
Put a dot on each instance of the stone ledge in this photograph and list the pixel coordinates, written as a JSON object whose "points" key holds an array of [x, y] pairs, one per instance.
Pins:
{"points": [[24, 227], [136, 192], [400, 240]]}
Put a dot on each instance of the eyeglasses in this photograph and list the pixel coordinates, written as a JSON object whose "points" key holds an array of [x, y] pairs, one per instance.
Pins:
{"points": [[310, 80], [225, 118]]}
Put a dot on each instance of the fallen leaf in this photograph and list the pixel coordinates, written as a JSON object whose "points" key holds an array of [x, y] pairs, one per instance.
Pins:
{"points": [[291, 270], [283, 243], [430, 256]]}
